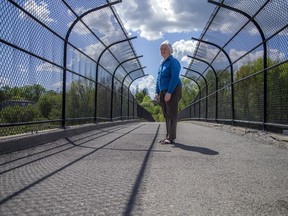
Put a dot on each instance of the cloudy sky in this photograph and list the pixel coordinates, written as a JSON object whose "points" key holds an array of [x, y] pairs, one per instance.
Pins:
{"points": [[154, 21]]}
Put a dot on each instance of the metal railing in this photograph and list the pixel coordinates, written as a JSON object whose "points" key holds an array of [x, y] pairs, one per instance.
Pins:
{"points": [[65, 63], [242, 57]]}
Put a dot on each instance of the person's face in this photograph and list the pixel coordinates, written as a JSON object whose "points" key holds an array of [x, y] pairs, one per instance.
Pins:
{"points": [[164, 50]]}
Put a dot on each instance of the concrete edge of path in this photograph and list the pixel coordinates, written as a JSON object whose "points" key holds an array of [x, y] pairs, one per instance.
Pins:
{"points": [[23, 141], [262, 136]]}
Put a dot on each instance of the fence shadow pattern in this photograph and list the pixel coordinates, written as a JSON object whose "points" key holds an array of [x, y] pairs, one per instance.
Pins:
{"points": [[65, 63], [240, 65]]}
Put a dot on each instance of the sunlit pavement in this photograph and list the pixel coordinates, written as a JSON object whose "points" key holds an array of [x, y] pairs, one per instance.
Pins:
{"points": [[124, 170]]}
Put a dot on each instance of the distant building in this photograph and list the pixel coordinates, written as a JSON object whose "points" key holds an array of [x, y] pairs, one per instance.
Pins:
{"points": [[11, 103]]}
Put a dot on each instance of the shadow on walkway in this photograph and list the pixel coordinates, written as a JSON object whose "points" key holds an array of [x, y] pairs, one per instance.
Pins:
{"points": [[201, 150]]}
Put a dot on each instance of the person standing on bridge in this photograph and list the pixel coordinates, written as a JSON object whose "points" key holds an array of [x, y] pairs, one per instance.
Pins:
{"points": [[169, 90]]}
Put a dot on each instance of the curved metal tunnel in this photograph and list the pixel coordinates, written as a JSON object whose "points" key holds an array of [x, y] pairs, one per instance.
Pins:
{"points": [[83, 58], [238, 37]]}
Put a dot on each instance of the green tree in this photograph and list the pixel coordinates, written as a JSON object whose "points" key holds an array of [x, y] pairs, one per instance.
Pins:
{"points": [[5, 93], [80, 98], [32, 93], [158, 114], [50, 105], [28, 92], [147, 104], [249, 91], [189, 92], [19, 114], [140, 95]]}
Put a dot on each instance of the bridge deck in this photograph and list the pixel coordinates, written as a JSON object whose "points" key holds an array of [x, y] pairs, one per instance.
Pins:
{"points": [[123, 170]]}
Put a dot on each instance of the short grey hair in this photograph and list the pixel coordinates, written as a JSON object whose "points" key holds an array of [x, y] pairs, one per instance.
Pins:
{"points": [[168, 44]]}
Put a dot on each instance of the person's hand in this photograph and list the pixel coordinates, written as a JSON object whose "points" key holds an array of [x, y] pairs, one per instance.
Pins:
{"points": [[167, 97], [157, 98]]}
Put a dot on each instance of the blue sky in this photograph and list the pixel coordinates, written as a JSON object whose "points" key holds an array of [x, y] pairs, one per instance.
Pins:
{"points": [[154, 21]]}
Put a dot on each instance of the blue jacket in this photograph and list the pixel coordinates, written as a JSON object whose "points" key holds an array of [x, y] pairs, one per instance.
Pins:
{"points": [[168, 75]]}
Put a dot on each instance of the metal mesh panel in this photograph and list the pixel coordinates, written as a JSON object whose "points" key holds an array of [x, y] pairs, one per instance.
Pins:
{"points": [[128, 80], [125, 103], [132, 106], [224, 25], [124, 113], [203, 103], [79, 97], [277, 48], [50, 52], [105, 78], [277, 89], [85, 41], [79, 63], [211, 107], [196, 110], [220, 63], [80, 6], [185, 113], [116, 109], [109, 32], [272, 18], [117, 86], [211, 86], [248, 7], [103, 102], [30, 35], [254, 36], [130, 66], [224, 104], [224, 79], [249, 99]]}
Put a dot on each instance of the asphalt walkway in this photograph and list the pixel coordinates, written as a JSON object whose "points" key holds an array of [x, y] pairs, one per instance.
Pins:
{"points": [[123, 170]]}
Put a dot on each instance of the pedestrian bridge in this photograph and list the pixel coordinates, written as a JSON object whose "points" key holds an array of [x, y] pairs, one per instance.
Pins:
{"points": [[121, 169], [74, 141]]}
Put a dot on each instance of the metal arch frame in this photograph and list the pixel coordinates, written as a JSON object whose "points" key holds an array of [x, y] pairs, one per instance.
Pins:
{"points": [[79, 18], [98, 60], [97, 72], [132, 72], [264, 42], [124, 30], [206, 96], [112, 83], [199, 92], [136, 57], [128, 74], [190, 78], [216, 82], [231, 72]]}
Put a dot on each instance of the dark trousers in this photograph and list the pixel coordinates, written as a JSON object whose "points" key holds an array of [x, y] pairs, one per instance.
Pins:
{"points": [[170, 111]]}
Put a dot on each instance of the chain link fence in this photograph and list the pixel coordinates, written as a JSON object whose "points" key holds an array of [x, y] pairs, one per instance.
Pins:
{"points": [[65, 63], [241, 65]]}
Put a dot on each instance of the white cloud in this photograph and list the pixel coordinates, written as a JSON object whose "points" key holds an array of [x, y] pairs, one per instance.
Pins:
{"points": [[40, 11], [58, 86], [183, 48], [274, 54], [266, 18], [95, 22], [48, 67], [22, 68], [145, 82], [151, 19], [4, 81]]}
